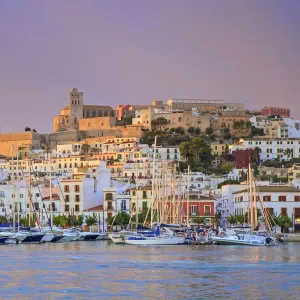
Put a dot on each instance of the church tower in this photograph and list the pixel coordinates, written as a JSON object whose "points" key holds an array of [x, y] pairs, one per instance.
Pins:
{"points": [[76, 108]]}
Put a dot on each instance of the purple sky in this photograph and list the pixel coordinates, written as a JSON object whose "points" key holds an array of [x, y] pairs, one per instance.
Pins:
{"points": [[138, 51]]}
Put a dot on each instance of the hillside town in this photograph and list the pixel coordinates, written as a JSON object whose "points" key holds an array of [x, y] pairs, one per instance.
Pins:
{"points": [[189, 156]]}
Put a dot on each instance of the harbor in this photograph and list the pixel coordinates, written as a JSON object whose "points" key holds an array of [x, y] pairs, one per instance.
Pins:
{"points": [[103, 269]]}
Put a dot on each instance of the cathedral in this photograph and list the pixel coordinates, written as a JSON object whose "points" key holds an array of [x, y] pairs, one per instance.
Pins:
{"points": [[70, 115]]}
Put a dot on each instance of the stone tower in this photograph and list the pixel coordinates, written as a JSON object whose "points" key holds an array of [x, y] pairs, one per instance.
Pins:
{"points": [[76, 108]]}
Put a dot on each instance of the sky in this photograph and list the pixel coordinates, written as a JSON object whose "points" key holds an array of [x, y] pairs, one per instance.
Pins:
{"points": [[133, 51]]}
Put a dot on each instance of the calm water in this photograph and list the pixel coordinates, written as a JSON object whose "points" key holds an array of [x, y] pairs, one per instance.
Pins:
{"points": [[102, 270]]}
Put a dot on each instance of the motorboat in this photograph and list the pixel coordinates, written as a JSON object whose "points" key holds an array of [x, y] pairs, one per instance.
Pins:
{"points": [[245, 239], [28, 236], [155, 239]]}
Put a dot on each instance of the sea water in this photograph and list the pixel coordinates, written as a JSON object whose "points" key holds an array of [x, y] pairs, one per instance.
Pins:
{"points": [[103, 270]]}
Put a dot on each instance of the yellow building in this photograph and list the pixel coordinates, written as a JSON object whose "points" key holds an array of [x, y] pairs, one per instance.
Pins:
{"points": [[217, 148]]}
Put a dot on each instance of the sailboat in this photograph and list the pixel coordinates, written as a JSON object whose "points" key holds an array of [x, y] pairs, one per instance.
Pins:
{"points": [[241, 237]]}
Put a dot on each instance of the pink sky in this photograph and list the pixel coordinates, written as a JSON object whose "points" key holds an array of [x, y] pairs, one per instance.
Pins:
{"points": [[138, 51]]}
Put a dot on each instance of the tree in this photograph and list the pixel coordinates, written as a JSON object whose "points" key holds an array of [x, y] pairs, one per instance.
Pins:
{"points": [[289, 153], [85, 147], [91, 220], [27, 129], [229, 181], [197, 130], [33, 130], [159, 122], [232, 219], [198, 220], [3, 220], [226, 168], [209, 130], [227, 136], [284, 222], [122, 219], [127, 120], [191, 130], [79, 220]]}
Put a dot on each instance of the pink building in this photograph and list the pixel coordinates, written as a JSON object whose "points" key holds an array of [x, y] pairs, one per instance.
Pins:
{"points": [[271, 110], [120, 110]]}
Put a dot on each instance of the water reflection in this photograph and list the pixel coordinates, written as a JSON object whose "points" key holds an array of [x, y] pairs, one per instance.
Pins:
{"points": [[101, 269]]}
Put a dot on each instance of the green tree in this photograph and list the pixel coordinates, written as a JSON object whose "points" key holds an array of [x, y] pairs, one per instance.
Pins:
{"points": [[197, 130], [27, 129], [3, 220], [122, 219], [226, 168], [289, 153], [91, 220], [284, 222], [209, 130], [198, 220], [85, 147], [229, 181], [232, 219], [191, 130], [227, 136]]}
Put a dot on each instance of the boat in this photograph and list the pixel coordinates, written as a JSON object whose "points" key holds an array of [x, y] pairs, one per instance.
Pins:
{"points": [[28, 236], [102, 236], [247, 239], [154, 239], [209, 242], [121, 236]]}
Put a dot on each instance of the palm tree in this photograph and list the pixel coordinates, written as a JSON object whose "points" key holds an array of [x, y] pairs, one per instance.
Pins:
{"points": [[289, 153]]}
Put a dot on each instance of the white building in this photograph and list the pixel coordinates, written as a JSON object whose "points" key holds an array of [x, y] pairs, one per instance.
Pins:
{"points": [[258, 121], [277, 200], [269, 149]]}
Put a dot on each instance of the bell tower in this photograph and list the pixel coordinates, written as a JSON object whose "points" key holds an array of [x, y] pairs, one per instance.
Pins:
{"points": [[76, 108]]}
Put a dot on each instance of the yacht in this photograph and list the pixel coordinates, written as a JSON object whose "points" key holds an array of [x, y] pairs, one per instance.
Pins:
{"points": [[28, 236]]}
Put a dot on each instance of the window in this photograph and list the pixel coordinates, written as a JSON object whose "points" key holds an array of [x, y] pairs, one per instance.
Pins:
{"points": [[266, 198], [193, 210], [123, 205], [77, 209], [77, 198], [282, 198], [67, 207], [2, 194], [133, 193], [297, 198], [67, 189], [67, 198], [144, 194], [283, 211], [77, 189], [108, 196], [144, 205], [109, 205], [37, 195], [36, 205], [207, 210]]}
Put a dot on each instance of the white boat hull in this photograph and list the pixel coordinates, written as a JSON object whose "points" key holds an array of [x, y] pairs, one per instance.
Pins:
{"points": [[155, 241]]}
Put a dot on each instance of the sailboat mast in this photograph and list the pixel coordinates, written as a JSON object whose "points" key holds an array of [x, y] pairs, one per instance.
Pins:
{"points": [[153, 178], [188, 199], [13, 188], [251, 197], [50, 188], [18, 191]]}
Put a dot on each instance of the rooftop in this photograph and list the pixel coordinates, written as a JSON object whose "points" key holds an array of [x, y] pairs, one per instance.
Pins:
{"points": [[273, 189]]}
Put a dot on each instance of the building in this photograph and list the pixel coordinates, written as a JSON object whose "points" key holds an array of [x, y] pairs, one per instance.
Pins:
{"points": [[70, 115], [22, 141], [259, 121], [277, 200], [275, 111], [226, 201], [217, 149], [283, 128], [202, 105], [242, 158], [294, 172], [270, 149], [237, 122], [121, 110]]}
